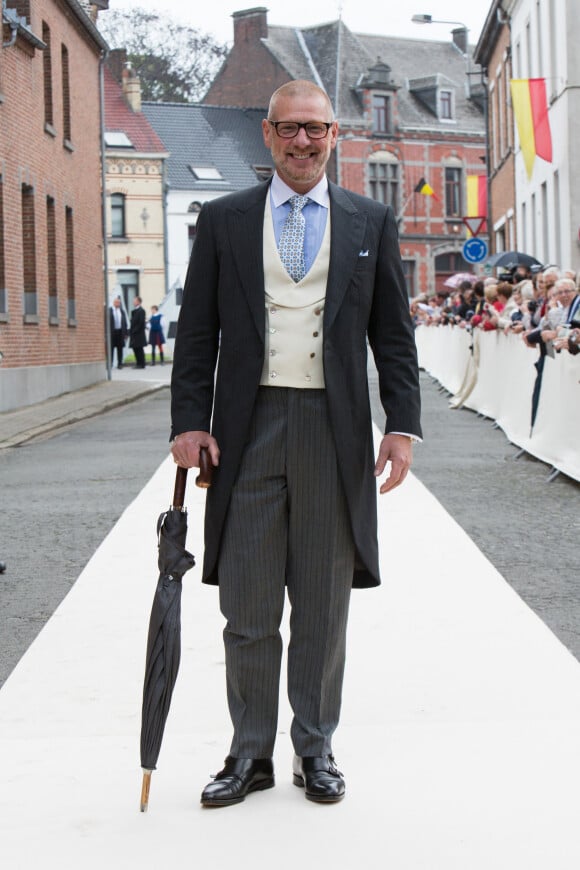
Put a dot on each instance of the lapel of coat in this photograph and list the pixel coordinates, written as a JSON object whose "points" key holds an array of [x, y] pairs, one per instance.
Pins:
{"points": [[245, 224], [347, 228]]}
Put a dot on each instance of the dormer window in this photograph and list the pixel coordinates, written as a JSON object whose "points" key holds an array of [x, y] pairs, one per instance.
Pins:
{"points": [[446, 105], [378, 84], [382, 114], [435, 93]]}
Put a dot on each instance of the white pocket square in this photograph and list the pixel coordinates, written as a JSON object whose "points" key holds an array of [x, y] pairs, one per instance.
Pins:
{"points": [[363, 253]]}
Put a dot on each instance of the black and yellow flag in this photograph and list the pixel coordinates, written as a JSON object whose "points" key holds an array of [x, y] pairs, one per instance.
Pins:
{"points": [[424, 188]]}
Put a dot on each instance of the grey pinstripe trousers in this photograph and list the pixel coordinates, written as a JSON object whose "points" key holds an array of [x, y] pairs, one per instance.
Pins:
{"points": [[287, 524]]}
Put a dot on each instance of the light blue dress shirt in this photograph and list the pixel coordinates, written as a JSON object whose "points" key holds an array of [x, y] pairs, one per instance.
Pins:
{"points": [[315, 214]]}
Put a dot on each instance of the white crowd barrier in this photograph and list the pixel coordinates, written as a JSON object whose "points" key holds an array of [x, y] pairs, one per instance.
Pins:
{"points": [[495, 374]]}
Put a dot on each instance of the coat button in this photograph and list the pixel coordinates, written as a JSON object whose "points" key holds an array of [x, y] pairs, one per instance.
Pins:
{"points": [[315, 334], [312, 355]]}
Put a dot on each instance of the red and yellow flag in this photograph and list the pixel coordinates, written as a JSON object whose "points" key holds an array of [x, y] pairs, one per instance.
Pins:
{"points": [[531, 112], [477, 199]]}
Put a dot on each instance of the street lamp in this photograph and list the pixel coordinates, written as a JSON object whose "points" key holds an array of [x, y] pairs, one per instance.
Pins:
{"points": [[422, 18]]}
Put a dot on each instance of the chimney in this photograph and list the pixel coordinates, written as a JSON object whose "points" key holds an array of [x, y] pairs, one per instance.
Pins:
{"points": [[250, 25], [132, 87], [116, 60], [460, 38]]}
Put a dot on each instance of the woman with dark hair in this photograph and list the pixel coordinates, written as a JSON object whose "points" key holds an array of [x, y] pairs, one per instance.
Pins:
{"points": [[156, 336]]}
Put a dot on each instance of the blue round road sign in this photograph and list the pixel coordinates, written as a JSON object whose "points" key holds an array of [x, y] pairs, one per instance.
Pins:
{"points": [[474, 250]]}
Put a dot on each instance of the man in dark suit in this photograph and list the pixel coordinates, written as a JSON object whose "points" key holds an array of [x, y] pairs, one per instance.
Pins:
{"points": [[118, 331], [287, 281], [137, 336]]}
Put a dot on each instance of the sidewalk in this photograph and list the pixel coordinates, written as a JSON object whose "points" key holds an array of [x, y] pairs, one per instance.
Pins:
{"points": [[127, 385], [459, 736]]}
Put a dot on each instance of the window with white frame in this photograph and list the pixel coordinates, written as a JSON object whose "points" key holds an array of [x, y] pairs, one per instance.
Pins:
{"points": [[384, 182], [382, 121], [453, 192], [118, 215], [446, 105]]}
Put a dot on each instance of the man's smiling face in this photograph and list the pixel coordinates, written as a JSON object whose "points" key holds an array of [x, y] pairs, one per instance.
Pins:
{"points": [[301, 162]]}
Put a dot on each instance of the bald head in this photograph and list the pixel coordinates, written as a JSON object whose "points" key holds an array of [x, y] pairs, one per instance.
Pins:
{"points": [[299, 89]]}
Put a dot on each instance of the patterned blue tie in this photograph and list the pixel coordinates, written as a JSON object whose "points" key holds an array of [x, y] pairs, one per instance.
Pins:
{"points": [[291, 244]]}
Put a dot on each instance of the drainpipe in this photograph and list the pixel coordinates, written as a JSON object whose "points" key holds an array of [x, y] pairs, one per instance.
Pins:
{"points": [[11, 19], [107, 319], [165, 194]]}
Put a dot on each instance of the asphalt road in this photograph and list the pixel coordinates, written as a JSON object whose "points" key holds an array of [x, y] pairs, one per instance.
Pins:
{"points": [[526, 526], [61, 495]]}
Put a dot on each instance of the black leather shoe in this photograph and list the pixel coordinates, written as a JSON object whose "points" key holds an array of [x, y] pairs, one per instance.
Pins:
{"points": [[320, 777], [239, 777]]}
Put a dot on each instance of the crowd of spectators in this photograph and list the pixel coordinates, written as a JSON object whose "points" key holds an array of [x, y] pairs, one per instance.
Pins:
{"points": [[541, 304]]}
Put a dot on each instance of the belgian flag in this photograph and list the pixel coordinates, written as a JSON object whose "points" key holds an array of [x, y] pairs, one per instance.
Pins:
{"points": [[425, 189]]}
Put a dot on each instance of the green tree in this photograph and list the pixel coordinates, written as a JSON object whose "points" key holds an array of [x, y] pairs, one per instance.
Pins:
{"points": [[174, 62]]}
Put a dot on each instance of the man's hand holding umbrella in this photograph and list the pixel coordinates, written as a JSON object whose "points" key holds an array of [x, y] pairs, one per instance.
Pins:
{"points": [[186, 447]]}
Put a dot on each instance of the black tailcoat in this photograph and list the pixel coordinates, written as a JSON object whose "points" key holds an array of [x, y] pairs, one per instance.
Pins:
{"points": [[222, 323]]}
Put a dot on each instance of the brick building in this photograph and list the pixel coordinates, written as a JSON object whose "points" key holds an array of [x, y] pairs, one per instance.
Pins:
{"points": [[135, 183], [407, 111], [51, 239], [493, 53]]}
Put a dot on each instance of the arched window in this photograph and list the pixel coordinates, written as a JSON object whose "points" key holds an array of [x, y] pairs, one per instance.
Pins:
{"points": [[384, 178]]}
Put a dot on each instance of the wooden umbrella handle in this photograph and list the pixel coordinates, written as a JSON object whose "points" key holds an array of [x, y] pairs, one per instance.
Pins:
{"points": [[203, 479]]}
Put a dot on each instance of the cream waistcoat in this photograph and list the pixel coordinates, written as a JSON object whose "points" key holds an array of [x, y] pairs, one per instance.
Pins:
{"points": [[294, 312]]}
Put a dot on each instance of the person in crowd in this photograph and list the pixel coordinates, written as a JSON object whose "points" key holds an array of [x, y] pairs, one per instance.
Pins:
{"points": [[270, 355], [545, 280], [501, 315], [118, 331], [521, 273], [488, 319], [137, 333], [478, 296], [565, 337], [490, 292], [520, 315], [558, 310], [460, 301], [569, 342], [156, 335]]}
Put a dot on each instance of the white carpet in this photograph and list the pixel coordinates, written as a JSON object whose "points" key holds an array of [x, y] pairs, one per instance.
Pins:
{"points": [[459, 740]]}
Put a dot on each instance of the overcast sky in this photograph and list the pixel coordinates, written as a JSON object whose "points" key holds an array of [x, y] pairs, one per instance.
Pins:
{"points": [[383, 17]]}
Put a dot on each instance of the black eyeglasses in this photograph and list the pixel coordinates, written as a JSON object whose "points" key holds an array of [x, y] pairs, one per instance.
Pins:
{"points": [[289, 129]]}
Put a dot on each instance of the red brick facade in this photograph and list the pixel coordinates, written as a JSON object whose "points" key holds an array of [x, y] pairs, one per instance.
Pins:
{"points": [[494, 53], [431, 234], [249, 69], [51, 255]]}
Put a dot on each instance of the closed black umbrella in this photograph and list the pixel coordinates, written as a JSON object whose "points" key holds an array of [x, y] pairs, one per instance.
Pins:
{"points": [[164, 637], [510, 259]]}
